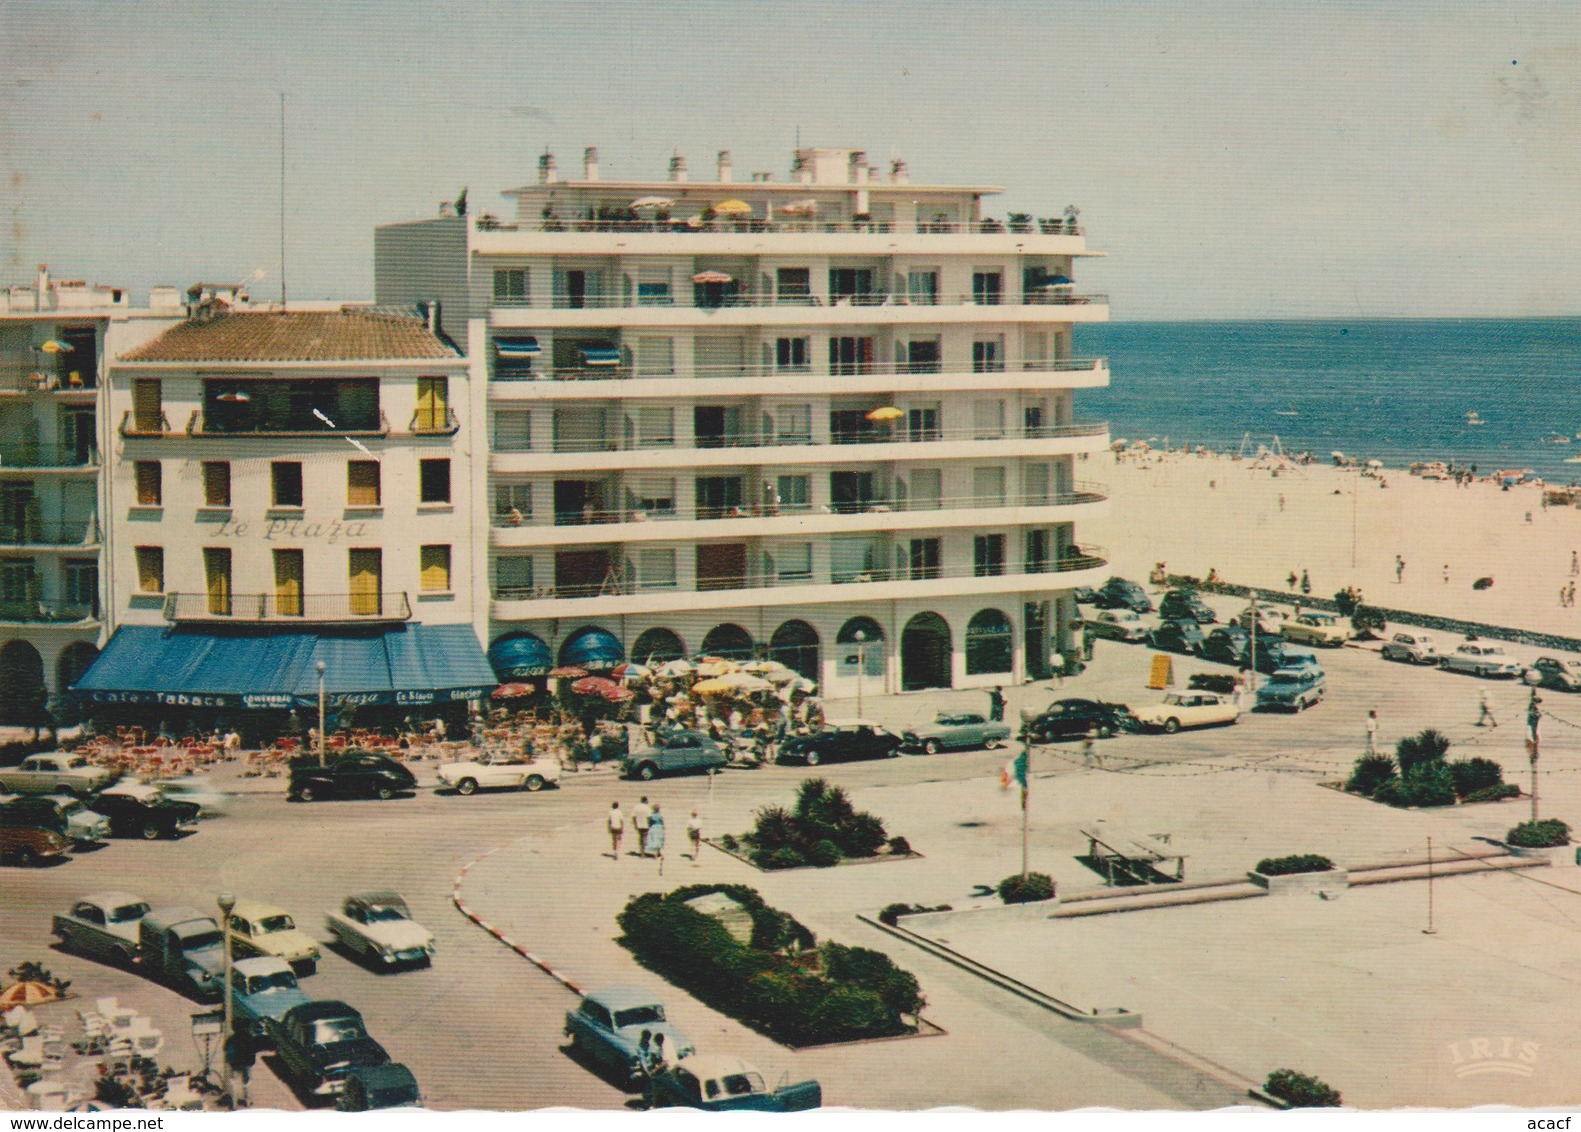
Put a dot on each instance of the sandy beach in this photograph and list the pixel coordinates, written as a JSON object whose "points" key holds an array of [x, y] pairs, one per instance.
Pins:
{"points": [[1202, 512]]}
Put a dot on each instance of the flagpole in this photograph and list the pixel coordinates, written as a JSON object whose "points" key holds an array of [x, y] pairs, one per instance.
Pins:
{"points": [[1532, 717]]}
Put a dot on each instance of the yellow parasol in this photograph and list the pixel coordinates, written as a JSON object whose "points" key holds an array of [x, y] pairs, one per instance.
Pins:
{"points": [[732, 207], [887, 413]]}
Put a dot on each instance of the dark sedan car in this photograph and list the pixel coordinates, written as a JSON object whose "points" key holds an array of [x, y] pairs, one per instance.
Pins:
{"points": [[136, 809], [1231, 644], [363, 775], [1085, 595], [1180, 635], [1178, 604], [320, 1043], [841, 740], [1119, 593], [1073, 718]]}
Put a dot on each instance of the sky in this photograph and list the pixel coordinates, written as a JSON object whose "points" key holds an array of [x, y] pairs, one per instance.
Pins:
{"points": [[1256, 159]]}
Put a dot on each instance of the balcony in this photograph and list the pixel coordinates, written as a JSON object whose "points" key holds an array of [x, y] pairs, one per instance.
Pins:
{"points": [[800, 375], [878, 434], [32, 379], [35, 612], [80, 534], [47, 456], [803, 304], [696, 226], [298, 425], [136, 424], [286, 609], [434, 422]]}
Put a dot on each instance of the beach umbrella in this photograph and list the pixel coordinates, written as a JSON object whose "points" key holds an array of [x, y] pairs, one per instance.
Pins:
{"points": [[716, 666], [634, 673], [712, 277], [800, 208], [1375, 463], [745, 682], [673, 668], [601, 686], [512, 691], [732, 207], [567, 672], [714, 687], [55, 346], [27, 993], [887, 413], [653, 202]]}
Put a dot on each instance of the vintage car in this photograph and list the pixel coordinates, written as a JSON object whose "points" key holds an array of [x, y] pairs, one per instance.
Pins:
{"points": [[1178, 604], [370, 1087], [183, 948], [841, 740], [1411, 648], [378, 926], [1073, 718], [1280, 653], [1116, 625], [29, 844], [360, 775], [1187, 709], [1324, 629], [1232, 644], [1482, 660], [1295, 689], [486, 774], [61, 812], [263, 988], [607, 1027], [136, 809], [1121, 593], [319, 1043], [1268, 620], [262, 929], [676, 751], [954, 731], [1183, 635], [54, 772], [103, 926], [210, 800], [1562, 674], [719, 1083]]}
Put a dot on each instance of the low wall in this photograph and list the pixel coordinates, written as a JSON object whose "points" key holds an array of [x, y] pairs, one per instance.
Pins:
{"points": [[1302, 884], [981, 913]]}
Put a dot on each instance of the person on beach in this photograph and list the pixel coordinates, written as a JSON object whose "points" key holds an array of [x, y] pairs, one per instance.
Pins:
{"points": [[1575, 563], [1485, 718], [1306, 583], [1399, 569], [1290, 582], [617, 829], [1281, 502], [1372, 731], [641, 820], [1446, 573], [1570, 595], [694, 834]]}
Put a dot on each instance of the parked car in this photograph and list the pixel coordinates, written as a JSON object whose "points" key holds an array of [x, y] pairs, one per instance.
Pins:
{"points": [[1482, 660], [1563, 674], [1188, 709], [487, 774], [676, 751], [263, 988], [1294, 688], [1183, 635], [370, 1087], [198, 789], [1117, 625], [1268, 619], [53, 772], [1073, 718], [30, 844], [1232, 644], [1411, 648], [954, 732], [183, 948], [63, 813], [1282, 654], [1213, 682], [103, 926], [841, 740], [136, 809], [362, 775], [1120, 593], [720, 1083], [1324, 629], [319, 1043], [1084, 595], [1177, 604], [378, 926], [262, 929], [607, 1027]]}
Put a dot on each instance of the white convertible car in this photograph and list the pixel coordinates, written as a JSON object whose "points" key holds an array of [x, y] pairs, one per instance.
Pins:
{"points": [[378, 926], [484, 774], [1188, 709]]}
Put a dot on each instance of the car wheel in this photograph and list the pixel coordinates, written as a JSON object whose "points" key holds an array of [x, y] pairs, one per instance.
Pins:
{"points": [[813, 758], [304, 794], [1171, 725], [1105, 732], [993, 744], [534, 783], [647, 772], [931, 747], [467, 786], [386, 793], [25, 856], [151, 831]]}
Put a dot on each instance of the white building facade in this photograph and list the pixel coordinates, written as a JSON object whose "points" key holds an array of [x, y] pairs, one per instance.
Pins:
{"points": [[829, 420]]}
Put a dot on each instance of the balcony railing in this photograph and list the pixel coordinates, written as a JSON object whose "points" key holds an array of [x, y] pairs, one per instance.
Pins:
{"points": [[46, 456], [1082, 492], [1078, 558], [1046, 227], [31, 379], [430, 422], [197, 426], [48, 612], [286, 609], [899, 433], [144, 424], [1040, 297], [81, 532], [627, 371]]}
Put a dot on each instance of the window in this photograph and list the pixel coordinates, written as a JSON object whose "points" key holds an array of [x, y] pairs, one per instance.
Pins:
{"points": [[76, 436], [853, 284], [1038, 556], [793, 284], [288, 582], [147, 405], [921, 355], [510, 285], [850, 355], [718, 496], [795, 492], [82, 582], [217, 579], [793, 424], [656, 568], [254, 406], [655, 357], [362, 483], [654, 496], [922, 286], [433, 405], [150, 483], [656, 427], [512, 504], [926, 488], [988, 355], [988, 287], [793, 562], [793, 353], [285, 480], [990, 643], [988, 555], [922, 422], [851, 426], [150, 569], [19, 588], [988, 487], [513, 577], [988, 420], [433, 481], [216, 483], [923, 558], [513, 430], [433, 568], [366, 572], [852, 559]]}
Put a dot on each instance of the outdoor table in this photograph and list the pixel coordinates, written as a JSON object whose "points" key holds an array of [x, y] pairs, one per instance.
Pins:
{"points": [[1126, 847]]}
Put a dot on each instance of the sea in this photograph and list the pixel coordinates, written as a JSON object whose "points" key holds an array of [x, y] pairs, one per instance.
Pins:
{"points": [[1393, 390]]}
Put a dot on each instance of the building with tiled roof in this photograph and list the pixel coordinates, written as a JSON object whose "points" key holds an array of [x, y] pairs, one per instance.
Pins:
{"points": [[295, 336]]}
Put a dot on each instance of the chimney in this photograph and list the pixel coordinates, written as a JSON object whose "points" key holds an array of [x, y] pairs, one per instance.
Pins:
{"points": [[801, 168], [857, 163], [726, 167], [590, 163], [431, 313], [897, 172], [678, 168], [41, 287], [546, 173]]}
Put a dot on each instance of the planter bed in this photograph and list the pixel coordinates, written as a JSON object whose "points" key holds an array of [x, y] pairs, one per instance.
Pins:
{"points": [[878, 859]]}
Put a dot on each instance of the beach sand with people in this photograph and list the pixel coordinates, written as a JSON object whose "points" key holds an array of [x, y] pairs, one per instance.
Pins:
{"points": [[1202, 512]]}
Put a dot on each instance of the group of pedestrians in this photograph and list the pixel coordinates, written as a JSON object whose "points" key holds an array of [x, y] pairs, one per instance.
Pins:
{"points": [[648, 822]]}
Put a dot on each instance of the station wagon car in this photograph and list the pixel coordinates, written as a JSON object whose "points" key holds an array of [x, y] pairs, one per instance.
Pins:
{"points": [[1324, 629], [1482, 660], [263, 988], [841, 740], [53, 772], [378, 926], [103, 925], [953, 732], [1116, 625], [608, 1025], [483, 774], [262, 929], [1412, 648], [719, 1083], [1294, 688], [1188, 709]]}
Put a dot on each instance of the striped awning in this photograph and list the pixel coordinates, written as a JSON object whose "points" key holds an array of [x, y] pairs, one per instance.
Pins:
{"points": [[517, 347], [600, 355]]}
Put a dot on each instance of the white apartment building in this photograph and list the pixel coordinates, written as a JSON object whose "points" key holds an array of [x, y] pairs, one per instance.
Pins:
{"points": [[830, 420]]}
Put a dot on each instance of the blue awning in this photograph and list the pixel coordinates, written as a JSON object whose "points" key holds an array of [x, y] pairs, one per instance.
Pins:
{"points": [[517, 347], [600, 356], [592, 648], [265, 667], [518, 655]]}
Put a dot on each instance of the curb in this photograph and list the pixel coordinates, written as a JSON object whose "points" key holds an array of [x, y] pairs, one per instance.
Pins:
{"points": [[519, 949]]}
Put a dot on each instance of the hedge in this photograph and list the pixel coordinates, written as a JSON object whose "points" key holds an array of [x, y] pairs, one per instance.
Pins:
{"points": [[891, 913], [783, 983], [1545, 834], [1018, 889], [1301, 1091], [1295, 863]]}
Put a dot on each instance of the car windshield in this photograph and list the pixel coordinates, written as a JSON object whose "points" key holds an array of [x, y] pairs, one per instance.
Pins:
{"points": [[279, 980], [378, 913], [639, 1015], [281, 923], [1176, 698], [128, 912], [742, 1084], [328, 1031]]}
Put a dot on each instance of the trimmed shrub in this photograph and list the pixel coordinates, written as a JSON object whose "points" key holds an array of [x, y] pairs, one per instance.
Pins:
{"points": [[1301, 1091], [1543, 834], [899, 847], [1471, 775], [891, 913], [1368, 622], [1369, 773], [1494, 793], [784, 858], [1428, 784], [823, 854], [822, 829], [1018, 889], [873, 969], [1424, 747], [1295, 863], [860, 835]]}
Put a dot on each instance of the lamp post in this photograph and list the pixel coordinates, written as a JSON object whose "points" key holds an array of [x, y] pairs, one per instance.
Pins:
{"points": [[320, 667], [860, 637], [227, 901]]}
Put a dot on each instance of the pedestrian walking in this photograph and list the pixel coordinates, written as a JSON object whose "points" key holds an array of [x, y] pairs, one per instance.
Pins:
{"points": [[1570, 595], [1306, 583], [1372, 731], [1281, 502], [617, 829], [641, 820], [1446, 573], [653, 840], [1399, 569], [1485, 719], [1290, 582], [694, 834], [1575, 563], [1562, 591], [996, 703]]}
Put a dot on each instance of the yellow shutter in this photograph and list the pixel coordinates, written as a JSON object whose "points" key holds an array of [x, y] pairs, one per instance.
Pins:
{"points": [[149, 485], [151, 569], [362, 483], [433, 403], [216, 483], [217, 570], [288, 582], [147, 407], [367, 581], [434, 568]]}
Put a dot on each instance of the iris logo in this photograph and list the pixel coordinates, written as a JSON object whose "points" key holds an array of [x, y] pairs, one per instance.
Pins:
{"points": [[1475, 1056]]}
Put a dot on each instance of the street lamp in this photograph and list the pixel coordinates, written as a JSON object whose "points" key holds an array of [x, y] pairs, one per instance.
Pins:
{"points": [[860, 637], [320, 667], [227, 901]]}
